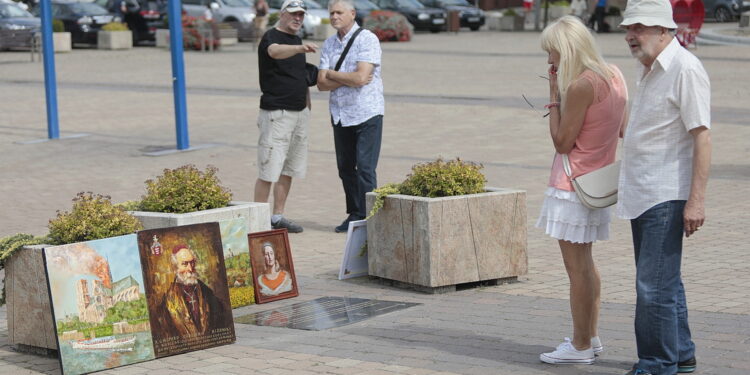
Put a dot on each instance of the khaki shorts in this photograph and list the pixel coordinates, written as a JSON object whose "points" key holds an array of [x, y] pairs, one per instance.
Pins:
{"points": [[282, 145]]}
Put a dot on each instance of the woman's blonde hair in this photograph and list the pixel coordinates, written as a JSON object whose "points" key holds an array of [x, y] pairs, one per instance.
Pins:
{"points": [[569, 37]]}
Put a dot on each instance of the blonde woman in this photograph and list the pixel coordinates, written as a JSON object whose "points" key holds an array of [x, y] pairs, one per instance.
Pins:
{"points": [[587, 113]]}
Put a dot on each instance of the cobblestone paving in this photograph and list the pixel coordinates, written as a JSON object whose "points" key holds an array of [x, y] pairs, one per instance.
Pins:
{"points": [[449, 95]]}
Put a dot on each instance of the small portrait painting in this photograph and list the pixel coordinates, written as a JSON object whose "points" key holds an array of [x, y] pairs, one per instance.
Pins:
{"points": [[186, 285], [273, 270]]}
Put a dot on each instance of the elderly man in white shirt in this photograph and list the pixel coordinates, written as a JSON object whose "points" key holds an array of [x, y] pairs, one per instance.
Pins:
{"points": [[356, 104], [666, 158]]}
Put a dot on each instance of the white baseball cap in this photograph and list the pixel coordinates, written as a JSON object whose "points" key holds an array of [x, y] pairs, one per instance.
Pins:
{"points": [[649, 13], [291, 6]]}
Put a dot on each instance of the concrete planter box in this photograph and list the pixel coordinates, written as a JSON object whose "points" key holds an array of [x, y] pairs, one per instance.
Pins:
{"points": [[614, 23], [62, 42], [29, 313], [162, 38], [257, 214], [511, 23], [113, 40], [557, 11], [441, 242], [323, 31], [493, 20]]}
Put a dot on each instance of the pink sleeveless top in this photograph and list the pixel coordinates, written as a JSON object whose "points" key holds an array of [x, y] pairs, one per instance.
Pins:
{"points": [[596, 144]]}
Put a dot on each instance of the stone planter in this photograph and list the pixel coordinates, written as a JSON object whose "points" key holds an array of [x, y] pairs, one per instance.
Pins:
{"points": [[113, 40], [62, 42], [257, 214], [511, 23], [434, 243], [558, 11], [614, 23], [29, 313], [493, 20], [227, 35], [323, 31], [162, 38]]}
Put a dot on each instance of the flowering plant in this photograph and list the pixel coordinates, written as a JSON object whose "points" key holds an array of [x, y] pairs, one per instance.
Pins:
{"points": [[195, 35], [388, 26]]}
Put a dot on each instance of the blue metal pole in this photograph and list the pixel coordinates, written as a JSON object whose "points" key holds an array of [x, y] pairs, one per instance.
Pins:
{"points": [[174, 12], [50, 80]]}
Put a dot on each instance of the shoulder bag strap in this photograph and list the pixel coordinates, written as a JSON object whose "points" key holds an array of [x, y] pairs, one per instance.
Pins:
{"points": [[566, 165], [346, 50]]}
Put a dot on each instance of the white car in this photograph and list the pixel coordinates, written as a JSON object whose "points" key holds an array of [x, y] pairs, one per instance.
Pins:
{"points": [[314, 15], [221, 10]]}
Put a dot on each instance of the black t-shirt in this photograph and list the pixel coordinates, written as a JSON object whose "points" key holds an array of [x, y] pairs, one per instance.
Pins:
{"points": [[283, 82]]}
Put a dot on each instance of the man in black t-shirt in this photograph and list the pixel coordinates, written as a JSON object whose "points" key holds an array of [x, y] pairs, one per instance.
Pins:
{"points": [[284, 110]]}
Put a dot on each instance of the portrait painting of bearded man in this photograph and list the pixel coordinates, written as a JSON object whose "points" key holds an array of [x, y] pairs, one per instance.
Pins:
{"points": [[186, 288]]}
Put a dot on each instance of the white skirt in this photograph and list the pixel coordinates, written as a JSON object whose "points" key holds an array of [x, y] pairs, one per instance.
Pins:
{"points": [[564, 217]]}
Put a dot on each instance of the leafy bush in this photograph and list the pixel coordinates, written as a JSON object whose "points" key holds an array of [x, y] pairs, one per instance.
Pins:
{"points": [[58, 26], [614, 11], [273, 18], [92, 217], [185, 189], [388, 26], [510, 12], [436, 179], [115, 26]]}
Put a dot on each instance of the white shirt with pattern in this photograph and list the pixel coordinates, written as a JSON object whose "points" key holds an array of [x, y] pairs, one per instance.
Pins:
{"points": [[354, 105], [671, 99]]}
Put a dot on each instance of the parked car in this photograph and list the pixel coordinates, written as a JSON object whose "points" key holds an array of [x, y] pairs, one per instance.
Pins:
{"points": [[470, 17], [221, 10], [362, 7], [420, 16], [314, 15], [82, 20], [143, 17], [725, 10], [13, 17]]}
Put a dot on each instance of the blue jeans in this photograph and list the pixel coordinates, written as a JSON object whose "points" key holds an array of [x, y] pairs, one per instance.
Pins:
{"points": [[357, 154], [661, 318]]}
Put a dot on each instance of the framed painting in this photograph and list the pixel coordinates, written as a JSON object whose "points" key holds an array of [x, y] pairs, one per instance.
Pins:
{"points": [[354, 263], [186, 288], [237, 261], [273, 269], [99, 304]]}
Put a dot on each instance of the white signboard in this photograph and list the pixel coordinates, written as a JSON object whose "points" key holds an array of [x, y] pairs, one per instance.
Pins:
{"points": [[355, 251]]}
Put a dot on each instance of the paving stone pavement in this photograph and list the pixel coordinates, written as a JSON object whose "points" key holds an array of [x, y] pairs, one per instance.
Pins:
{"points": [[446, 95]]}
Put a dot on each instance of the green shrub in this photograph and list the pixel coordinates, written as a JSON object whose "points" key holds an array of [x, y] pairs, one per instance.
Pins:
{"points": [[273, 18], [58, 26], [185, 189], [444, 179], [92, 217], [510, 12], [436, 179], [115, 26]]}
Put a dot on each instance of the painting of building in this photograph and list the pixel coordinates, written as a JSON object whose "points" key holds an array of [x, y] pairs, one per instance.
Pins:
{"points": [[100, 323]]}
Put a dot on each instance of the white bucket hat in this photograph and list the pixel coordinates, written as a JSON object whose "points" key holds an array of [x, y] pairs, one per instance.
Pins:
{"points": [[649, 13]]}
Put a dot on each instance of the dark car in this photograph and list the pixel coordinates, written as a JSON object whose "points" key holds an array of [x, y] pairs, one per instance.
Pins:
{"points": [[362, 7], [82, 20], [13, 17], [142, 16], [724, 10], [470, 17], [420, 16]]}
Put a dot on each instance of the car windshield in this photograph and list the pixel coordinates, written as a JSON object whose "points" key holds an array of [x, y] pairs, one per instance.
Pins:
{"points": [[312, 5], [238, 3], [364, 5], [408, 4], [89, 9], [454, 2], [13, 11]]}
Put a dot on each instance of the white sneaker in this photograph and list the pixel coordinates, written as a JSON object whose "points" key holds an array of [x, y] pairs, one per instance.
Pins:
{"points": [[596, 345], [566, 353]]}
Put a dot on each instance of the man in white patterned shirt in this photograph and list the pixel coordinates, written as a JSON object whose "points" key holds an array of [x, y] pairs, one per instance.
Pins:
{"points": [[356, 105], [666, 158]]}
